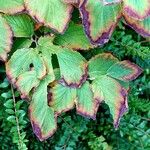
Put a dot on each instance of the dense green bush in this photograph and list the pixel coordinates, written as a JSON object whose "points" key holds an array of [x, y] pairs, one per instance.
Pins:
{"points": [[28, 92], [76, 132]]}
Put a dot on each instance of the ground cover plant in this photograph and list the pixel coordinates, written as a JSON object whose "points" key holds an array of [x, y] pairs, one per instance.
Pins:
{"points": [[77, 55]]}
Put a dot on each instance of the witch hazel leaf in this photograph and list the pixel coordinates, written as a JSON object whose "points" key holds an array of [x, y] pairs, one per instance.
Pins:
{"points": [[86, 105], [113, 94], [73, 68], [99, 64], [62, 98], [11, 6], [124, 70], [107, 64], [5, 40], [41, 115], [99, 20], [74, 38], [21, 24], [37, 63], [46, 12], [26, 82], [137, 9], [107, 2], [28, 59], [140, 26]]}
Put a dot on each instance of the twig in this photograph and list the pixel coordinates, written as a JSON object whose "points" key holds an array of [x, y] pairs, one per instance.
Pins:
{"points": [[17, 121]]}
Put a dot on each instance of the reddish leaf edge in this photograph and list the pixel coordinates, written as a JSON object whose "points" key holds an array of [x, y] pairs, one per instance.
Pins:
{"points": [[39, 20], [10, 36], [102, 39], [135, 15], [132, 23], [37, 129]]}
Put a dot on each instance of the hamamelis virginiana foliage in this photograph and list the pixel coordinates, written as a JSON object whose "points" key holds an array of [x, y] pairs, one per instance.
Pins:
{"points": [[52, 75]]}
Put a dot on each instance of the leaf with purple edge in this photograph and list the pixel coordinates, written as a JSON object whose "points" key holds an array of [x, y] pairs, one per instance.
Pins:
{"points": [[62, 98], [124, 70], [21, 24], [35, 64], [74, 38], [28, 59], [11, 6], [73, 67], [137, 9], [99, 64], [99, 20], [6, 39], [41, 115], [86, 105], [113, 94], [142, 27], [26, 82], [46, 12]]}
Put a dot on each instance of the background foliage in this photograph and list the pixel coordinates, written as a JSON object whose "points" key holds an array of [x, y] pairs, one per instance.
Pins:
{"points": [[76, 132]]}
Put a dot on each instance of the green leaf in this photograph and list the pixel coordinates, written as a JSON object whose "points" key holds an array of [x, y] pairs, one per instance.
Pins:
{"points": [[137, 9], [73, 67], [11, 6], [99, 64], [124, 70], [140, 26], [115, 96], [22, 25], [52, 13], [62, 98], [21, 43], [110, 82], [74, 38], [25, 60], [41, 115], [5, 40], [106, 64], [34, 64], [86, 105], [99, 20], [26, 82]]}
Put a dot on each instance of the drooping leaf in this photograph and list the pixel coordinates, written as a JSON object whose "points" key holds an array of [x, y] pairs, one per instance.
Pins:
{"points": [[106, 2], [124, 70], [52, 13], [137, 9], [99, 20], [73, 68], [5, 39], [22, 25], [86, 105], [115, 96], [74, 38], [11, 6], [110, 82], [142, 27], [28, 59], [99, 64], [62, 99], [35, 64], [26, 82], [21, 43], [106, 64], [41, 115]]}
